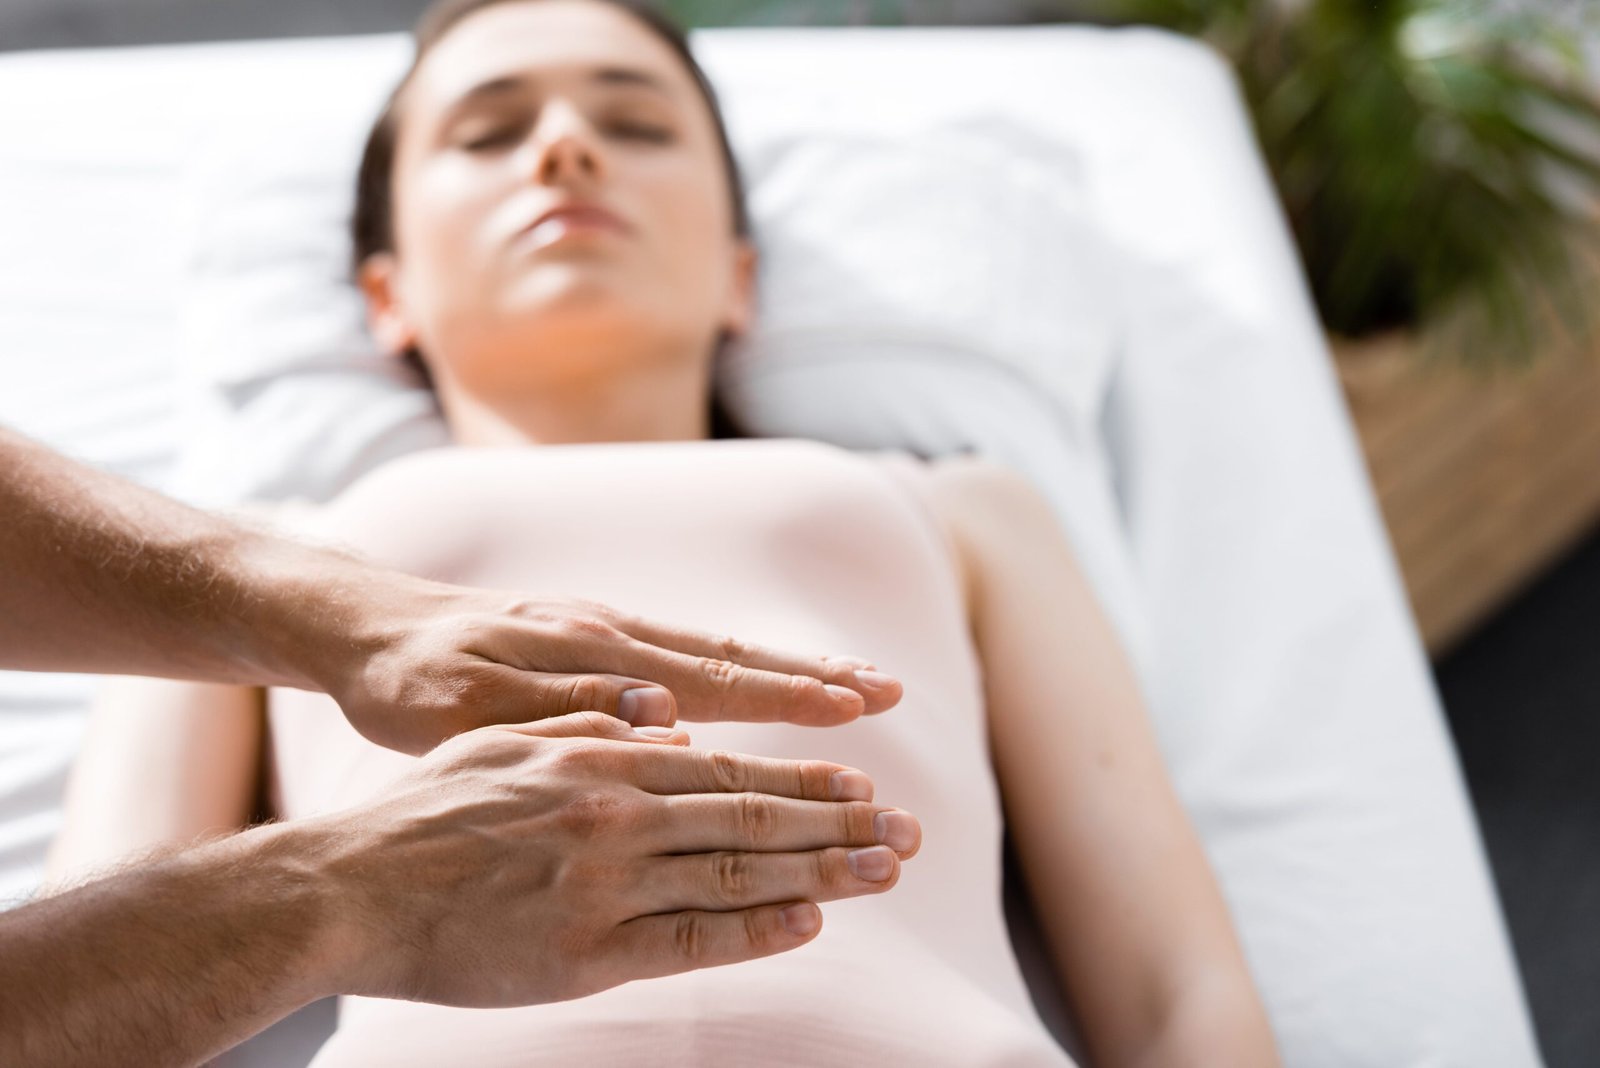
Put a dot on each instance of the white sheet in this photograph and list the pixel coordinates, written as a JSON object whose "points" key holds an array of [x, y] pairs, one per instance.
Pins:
{"points": [[1214, 492], [92, 240]]}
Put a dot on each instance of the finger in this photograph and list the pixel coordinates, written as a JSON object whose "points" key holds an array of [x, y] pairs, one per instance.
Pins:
{"points": [[651, 946], [595, 725], [877, 690], [711, 690], [534, 695], [709, 823], [714, 771], [734, 880]]}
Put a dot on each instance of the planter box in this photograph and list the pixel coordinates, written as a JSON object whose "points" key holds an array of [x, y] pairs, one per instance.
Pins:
{"points": [[1484, 478]]}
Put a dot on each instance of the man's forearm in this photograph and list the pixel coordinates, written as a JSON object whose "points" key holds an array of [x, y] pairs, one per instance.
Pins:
{"points": [[171, 962], [101, 575]]}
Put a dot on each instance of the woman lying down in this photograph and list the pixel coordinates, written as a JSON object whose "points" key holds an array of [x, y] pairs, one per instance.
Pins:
{"points": [[550, 217]]}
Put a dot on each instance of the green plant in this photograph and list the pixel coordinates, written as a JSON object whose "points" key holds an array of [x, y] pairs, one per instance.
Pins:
{"points": [[1439, 160]]}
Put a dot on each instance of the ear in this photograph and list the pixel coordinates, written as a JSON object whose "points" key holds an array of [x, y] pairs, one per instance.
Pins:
{"points": [[740, 313], [387, 318]]}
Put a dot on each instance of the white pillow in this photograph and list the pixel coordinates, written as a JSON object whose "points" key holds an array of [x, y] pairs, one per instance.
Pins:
{"points": [[957, 242]]}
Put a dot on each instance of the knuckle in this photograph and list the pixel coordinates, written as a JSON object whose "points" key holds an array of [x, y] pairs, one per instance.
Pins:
{"points": [[590, 878], [521, 608], [758, 930], [585, 693], [719, 674], [690, 939], [578, 945], [812, 779], [599, 724], [588, 630], [470, 691], [727, 771], [733, 877], [590, 608], [828, 868], [855, 819], [731, 648], [593, 814], [757, 818], [567, 760], [489, 748], [803, 688]]}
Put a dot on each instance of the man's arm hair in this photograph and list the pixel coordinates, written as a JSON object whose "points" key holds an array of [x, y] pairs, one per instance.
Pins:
{"points": [[97, 574], [172, 961]]}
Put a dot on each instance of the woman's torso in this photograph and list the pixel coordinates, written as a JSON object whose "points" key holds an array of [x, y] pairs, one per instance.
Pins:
{"points": [[790, 544]]}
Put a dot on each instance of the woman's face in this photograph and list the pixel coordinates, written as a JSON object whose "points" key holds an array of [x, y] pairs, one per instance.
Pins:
{"points": [[568, 106]]}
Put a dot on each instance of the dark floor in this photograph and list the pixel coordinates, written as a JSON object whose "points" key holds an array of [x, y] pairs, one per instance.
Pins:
{"points": [[1523, 696]]}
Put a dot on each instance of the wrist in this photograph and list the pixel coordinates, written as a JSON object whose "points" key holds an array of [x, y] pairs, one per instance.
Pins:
{"points": [[313, 616], [292, 870], [173, 960]]}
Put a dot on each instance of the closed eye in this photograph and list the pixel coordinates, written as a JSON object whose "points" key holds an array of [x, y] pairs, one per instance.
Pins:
{"points": [[638, 131], [500, 137], [496, 138]]}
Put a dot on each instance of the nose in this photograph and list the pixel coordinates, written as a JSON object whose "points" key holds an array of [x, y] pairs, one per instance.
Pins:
{"points": [[563, 147]]}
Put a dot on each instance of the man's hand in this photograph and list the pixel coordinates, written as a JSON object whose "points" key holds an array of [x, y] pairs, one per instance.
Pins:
{"points": [[525, 864], [429, 661], [511, 866], [99, 575]]}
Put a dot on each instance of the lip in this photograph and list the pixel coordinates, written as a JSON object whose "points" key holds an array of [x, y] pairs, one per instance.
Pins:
{"points": [[579, 216]]}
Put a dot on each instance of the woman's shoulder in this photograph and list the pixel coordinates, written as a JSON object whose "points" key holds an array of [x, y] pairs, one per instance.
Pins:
{"points": [[985, 509], [956, 484]]}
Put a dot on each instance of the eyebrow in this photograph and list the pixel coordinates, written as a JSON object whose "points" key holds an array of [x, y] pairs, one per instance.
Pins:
{"points": [[624, 76]]}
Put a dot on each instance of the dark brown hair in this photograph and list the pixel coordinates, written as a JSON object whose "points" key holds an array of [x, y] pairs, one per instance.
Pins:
{"points": [[372, 223]]}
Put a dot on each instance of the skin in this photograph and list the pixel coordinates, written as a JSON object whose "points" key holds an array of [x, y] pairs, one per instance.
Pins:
{"points": [[548, 344]]}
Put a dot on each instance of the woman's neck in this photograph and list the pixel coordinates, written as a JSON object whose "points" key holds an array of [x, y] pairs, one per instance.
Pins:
{"points": [[666, 402]]}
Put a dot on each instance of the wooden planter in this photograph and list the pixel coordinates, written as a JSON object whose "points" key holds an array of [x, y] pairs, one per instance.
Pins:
{"points": [[1484, 479]]}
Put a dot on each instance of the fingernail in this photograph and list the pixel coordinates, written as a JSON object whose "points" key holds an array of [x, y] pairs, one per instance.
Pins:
{"points": [[853, 662], [874, 864], [843, 694], [645, 706], [801, 919], [875, 680], [655, 732], [897, 830], [849, 786]]}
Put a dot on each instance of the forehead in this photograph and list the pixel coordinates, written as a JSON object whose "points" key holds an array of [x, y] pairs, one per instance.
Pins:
{"points": [[552, 43]]}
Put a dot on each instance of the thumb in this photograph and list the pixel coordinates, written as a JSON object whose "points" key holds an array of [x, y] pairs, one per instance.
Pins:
{"points": [[597, 725], [533, 695]]}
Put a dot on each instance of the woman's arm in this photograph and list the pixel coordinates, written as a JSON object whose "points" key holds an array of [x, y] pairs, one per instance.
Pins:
{"points": [[163, 763], [1134, 918]]}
